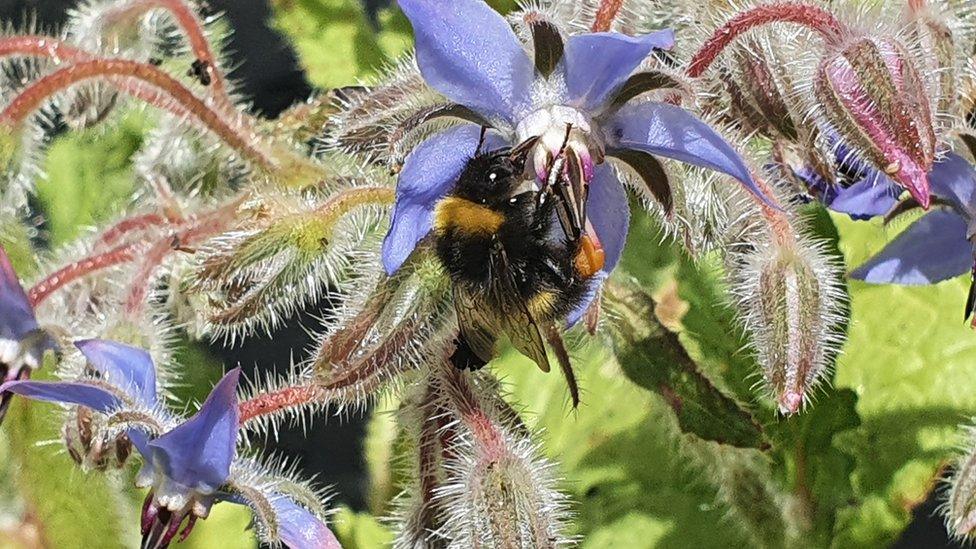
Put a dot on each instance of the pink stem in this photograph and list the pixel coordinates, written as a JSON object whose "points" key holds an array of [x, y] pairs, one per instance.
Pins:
{"points": [[468, 406], [270, 403], [187, 19], [814, 17], [42, 46], [129, 225], [605, 15], [203, 227], [79, 269], [164, 92], [59, 51]]}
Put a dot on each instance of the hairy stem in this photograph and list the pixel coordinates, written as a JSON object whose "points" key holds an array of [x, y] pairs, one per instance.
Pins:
{"points": [[126, 226], [605, 15], [79, 269], [349, 199], [35, 45], [428, 462], [813, 17], [192, 27], [284, 399], [201, 228], [466, 403], [158, 88]]}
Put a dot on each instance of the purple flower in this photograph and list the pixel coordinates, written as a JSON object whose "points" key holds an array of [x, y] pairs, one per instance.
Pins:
{"points": [[590, 84], [22, 342], [940, 245], [188, 467], [870, 194]]}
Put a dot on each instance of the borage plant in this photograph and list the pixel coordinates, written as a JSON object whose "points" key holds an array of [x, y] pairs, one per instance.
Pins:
{"points": [[619, 183]]}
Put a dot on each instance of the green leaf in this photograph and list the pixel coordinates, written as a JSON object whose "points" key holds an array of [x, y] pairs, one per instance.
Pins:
{"points": [[336, 44], [652, 357], [812, 465], [360, 530], [909, 358], [90, 178], [617, 452]]}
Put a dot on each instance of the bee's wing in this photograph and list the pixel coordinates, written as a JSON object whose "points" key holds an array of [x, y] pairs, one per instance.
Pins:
{"points": [[476, 328], [521, 328]]}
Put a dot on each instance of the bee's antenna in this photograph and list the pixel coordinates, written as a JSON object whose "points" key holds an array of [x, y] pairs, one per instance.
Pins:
{"points": [[481, 140]]}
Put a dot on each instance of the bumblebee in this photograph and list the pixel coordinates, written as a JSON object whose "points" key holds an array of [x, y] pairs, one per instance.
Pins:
{"points": [[514, 272]]}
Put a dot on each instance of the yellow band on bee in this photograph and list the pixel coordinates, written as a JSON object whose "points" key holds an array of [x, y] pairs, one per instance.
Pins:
{"points": [[541, 304], [466, 217]]}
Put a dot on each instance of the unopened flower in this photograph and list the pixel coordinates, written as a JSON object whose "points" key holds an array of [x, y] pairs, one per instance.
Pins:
{"points": [[762, 95], [791, 305], [960, 507], [583, 100], [22, 342], [874, 97]]}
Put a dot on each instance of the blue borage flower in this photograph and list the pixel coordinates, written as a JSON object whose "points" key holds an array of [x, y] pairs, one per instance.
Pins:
{"points": [[938, 246], [189, 464], [470, 54], [22, 342]]}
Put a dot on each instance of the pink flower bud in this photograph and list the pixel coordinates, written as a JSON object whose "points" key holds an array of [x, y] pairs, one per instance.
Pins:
{"points": [[874, 98]]}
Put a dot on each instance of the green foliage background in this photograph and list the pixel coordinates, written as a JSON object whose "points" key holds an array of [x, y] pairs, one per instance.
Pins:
{"points": [[846, 473]]}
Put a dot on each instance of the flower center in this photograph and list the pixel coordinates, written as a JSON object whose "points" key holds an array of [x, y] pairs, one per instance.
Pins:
{"points": [[559, 127]]}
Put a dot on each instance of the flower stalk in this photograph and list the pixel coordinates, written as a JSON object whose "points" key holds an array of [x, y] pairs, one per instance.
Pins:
{"points": [[813, 17], [163, 91], [606, 14]]}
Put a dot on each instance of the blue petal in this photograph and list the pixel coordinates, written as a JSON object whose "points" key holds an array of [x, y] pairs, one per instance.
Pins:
{"points": [[865, 199], [592, 291], [16, 313], [673, 132], [954, 179], [469, 53], [300, 529], [198, 453], [932, 249], [79, 393], [596, 64], [428, 174], [608, 210], [128, 368]]}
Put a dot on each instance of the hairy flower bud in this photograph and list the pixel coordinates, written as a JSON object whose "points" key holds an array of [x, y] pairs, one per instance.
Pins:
{"points": [[960, 509], [873, 95], [89, 445], [761, 92], [503, 500], [497, 490], [936, 38], [791, 302], [288, 253]]}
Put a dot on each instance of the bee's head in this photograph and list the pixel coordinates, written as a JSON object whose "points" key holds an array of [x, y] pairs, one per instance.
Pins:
{"points": [[493, 178], [489, 178]]}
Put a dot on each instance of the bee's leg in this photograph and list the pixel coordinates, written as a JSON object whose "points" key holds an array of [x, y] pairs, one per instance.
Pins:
{"points": [[464, 357], [562, 355]]}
